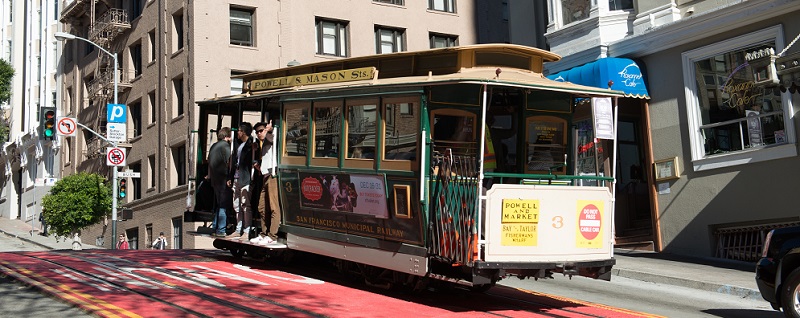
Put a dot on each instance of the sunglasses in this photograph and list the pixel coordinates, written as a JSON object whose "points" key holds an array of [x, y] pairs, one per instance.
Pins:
{"points": [[259, 131]]}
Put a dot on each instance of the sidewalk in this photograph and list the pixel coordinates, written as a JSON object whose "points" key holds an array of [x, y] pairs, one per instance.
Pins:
{"points": [[22, 230], [709, 274]]}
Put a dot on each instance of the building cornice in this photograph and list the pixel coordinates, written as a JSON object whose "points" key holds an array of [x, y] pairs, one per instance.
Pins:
{"points": [[701, 26]]}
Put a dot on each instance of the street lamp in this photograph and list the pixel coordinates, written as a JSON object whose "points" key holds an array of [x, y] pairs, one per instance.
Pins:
{"points": [[63, 36]]}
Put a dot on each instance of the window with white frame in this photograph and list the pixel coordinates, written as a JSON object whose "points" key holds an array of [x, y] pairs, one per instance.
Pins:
{"points": [[331, 37], [389, 40], [442, 5], [733, 120], [241, 26]]}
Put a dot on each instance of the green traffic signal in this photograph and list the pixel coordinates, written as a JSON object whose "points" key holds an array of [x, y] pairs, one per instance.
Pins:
{"points": [[48, 123], [122, 190]]}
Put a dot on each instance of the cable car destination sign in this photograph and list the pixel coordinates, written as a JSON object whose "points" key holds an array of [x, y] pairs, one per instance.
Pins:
{"points": [[348, 75]]}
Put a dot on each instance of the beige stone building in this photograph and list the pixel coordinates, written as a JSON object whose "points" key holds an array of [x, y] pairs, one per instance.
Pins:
{"points": [[172, 54]]}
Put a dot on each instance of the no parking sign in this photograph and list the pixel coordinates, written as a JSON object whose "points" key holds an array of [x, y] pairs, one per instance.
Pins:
{"points": [[115, 157]]}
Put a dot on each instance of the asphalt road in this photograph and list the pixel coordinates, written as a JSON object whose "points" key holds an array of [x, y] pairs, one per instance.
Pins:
{"points": [[19, 300]]}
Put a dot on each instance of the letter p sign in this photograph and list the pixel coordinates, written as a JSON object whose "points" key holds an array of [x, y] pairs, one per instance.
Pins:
{"points": [[117, 113]]}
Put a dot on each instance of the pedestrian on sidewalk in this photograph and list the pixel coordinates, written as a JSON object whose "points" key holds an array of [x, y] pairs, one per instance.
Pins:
{"points": [[122, 244], [43, 222], [161, 242]]}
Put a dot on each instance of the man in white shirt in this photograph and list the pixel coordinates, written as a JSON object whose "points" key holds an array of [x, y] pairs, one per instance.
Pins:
{"points": [[268, 207]]}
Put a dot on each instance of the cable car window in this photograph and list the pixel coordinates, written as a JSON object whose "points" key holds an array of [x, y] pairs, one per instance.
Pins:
{"points": [[402, 131], [327, 131], [546, 144], [361, 125], [296, 131], [454, 130]]}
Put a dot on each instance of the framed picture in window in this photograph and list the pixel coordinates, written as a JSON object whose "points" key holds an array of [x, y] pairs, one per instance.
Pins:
{"points": [[402, 201], [667, 169]]}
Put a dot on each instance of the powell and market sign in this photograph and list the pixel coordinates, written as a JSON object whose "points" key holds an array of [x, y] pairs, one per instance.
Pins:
{"points": [[349, 75]]}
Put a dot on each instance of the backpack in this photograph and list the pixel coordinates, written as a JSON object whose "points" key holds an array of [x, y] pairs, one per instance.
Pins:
{"points": [[159, 245]]}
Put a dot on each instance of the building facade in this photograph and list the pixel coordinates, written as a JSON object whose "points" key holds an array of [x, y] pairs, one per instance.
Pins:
{"points": [[719, 142], [173, 54], [26, 29]]}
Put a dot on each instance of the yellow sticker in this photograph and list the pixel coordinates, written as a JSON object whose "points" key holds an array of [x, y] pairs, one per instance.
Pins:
{"points": [[520, 211], [519, 234]]}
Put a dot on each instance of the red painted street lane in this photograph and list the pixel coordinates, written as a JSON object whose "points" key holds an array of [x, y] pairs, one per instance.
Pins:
{"points": [[201, 283]]}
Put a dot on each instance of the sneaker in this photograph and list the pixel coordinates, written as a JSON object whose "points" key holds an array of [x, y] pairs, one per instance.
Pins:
{"points": [[218, 235], [266, 240], [233, 236], [257, 239], [245, 236]]}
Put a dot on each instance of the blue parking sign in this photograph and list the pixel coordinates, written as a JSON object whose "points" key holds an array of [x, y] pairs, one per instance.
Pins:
{"points": [[117, 113]]}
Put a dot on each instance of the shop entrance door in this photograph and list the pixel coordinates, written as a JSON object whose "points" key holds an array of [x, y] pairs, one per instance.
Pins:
{"points": [[633, 217]]}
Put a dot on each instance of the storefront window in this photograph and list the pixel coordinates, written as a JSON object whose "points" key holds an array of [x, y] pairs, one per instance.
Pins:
{"points": [[736, 114], [729, 113]]}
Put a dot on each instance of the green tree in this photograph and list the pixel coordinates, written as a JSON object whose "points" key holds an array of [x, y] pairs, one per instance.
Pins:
{"points": [[76, 202], [6, 75]]}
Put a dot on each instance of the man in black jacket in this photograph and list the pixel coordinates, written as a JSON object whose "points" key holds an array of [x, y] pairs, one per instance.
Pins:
{"points": [[239, 178], [218, 158]]}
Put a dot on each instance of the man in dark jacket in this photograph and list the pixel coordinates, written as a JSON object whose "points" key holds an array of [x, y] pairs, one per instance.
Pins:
{"points": [[239, 178], [218, 157]]}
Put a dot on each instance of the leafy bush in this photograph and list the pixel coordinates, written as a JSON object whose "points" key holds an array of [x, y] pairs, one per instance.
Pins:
{"points": [[76, 202]]}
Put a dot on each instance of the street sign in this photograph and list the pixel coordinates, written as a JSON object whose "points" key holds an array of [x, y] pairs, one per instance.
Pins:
{"points": [[129, 174], [115, 157], [40, 182], [116, 113], [117, 132], [66, 126]]}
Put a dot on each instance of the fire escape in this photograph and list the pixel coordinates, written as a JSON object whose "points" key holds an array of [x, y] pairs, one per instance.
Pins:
{"points": [[104, 31]]}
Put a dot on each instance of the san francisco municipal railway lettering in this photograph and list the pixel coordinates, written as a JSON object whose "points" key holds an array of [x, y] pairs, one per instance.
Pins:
{"points": [[349, 226], [520, 211]]}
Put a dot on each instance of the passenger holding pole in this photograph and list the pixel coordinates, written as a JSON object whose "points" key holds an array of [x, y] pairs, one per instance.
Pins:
{"points": [[268, 207], [239, 179]]}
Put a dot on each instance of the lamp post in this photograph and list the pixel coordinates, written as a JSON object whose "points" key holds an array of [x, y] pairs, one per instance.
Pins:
{"points": [[63, 36]]}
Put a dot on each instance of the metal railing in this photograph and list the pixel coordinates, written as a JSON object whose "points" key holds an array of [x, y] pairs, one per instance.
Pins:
{"points": [[744, 243]]}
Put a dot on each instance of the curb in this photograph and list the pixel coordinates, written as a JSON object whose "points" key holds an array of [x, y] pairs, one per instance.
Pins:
{"points": [[741, 292], [27, 240]]}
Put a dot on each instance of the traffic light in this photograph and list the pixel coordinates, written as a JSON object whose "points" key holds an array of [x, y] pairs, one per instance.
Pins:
{"points": [[47, 123], [122, 190]]}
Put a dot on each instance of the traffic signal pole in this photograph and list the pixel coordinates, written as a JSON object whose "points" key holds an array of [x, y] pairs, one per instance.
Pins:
{"points": [[62, 36], [114, 198]]}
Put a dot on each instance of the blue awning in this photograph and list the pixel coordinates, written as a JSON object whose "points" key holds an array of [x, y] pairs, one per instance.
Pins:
{"points": [[624, 74]]}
